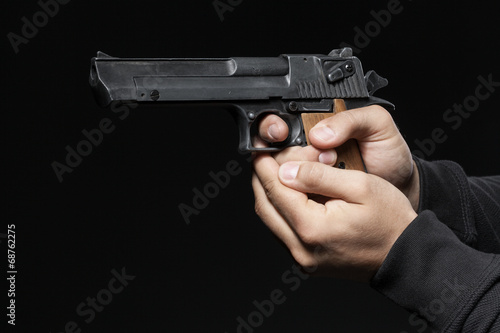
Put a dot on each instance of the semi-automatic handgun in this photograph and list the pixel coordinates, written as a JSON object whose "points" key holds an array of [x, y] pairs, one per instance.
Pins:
{"points": [[301, 89]]}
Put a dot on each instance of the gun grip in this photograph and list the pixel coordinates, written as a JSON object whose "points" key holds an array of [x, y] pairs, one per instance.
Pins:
{"points": [[348, 154]]}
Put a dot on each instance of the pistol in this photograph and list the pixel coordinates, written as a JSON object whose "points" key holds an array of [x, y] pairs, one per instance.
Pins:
{"points": [[301, 89]]}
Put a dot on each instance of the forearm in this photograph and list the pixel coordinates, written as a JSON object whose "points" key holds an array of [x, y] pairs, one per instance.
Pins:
{"points": [[430, 272]]}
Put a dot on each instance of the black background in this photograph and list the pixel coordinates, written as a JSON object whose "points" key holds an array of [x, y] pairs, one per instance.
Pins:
{"points": [[119, 207]]}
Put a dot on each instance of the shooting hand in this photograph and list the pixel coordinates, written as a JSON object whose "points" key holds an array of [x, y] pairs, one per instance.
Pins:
{"points": [[384, 150], [273, 129]]}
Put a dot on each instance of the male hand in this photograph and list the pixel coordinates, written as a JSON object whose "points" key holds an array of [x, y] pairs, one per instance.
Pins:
{"points": [[350, 230], [348, 235], [382, 147]]}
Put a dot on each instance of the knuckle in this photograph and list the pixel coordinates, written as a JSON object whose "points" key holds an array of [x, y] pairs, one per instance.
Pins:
{"points": [[309, 236], [304, 258], [363, 186], [379, 109], [313, 175], [348, 117], [269, 187], [289, 154], [368, 186], [382, 114], [259, 207]]}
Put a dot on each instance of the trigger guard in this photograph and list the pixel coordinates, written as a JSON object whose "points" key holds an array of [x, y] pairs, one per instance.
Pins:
{"points": [[249, 128], [295, 131]]}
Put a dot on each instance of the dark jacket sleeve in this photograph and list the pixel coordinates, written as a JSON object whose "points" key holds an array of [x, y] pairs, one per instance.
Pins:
{"points": [[443, 268], [468, 206]]}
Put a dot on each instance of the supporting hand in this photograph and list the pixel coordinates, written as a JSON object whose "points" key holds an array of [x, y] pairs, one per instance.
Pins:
{"points": [[347, 236]]}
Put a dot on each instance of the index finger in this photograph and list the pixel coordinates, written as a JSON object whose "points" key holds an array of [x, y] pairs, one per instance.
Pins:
{"points": [[273, 129]]}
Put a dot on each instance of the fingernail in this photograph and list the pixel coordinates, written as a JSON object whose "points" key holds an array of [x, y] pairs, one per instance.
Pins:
{"points": [[288, 171], [273, 131], [327, 157], [324, 133]]}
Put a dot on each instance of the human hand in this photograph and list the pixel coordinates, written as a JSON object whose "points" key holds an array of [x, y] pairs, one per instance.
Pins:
{"points": [[385, 152], [273, 129], [347, 236]]}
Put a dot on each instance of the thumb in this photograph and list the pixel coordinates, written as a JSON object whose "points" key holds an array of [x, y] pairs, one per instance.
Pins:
{"points": [[317, 178], [372, 123]]}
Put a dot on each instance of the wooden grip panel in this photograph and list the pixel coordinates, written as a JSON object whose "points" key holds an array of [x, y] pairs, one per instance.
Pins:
{"points": [[348, 155]]}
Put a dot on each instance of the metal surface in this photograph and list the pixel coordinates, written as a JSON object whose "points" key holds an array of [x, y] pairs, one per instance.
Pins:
{"points": [[249, 87]]}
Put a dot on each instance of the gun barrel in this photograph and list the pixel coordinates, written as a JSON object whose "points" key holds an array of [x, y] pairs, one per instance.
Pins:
{"points": [[288, 86], [225, 79]]}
